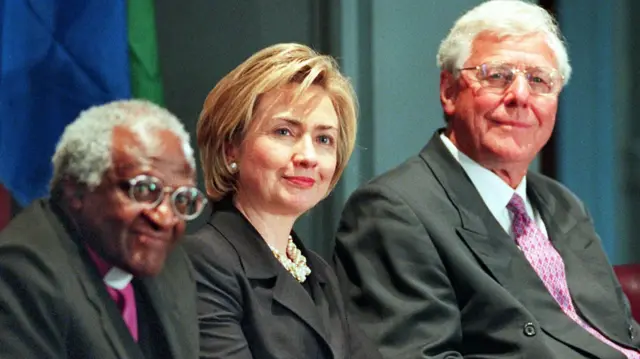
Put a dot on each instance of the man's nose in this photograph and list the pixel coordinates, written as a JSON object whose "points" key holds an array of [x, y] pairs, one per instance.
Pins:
{"points": [[518, 91], [163, 215]]}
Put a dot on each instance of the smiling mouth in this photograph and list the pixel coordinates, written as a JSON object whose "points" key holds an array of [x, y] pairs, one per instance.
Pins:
{"points": [[150, 239], [512, 124], [301, 182]]}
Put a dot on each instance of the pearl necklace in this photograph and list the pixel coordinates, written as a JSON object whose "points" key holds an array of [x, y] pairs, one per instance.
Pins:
{"points": [[294, 262]]}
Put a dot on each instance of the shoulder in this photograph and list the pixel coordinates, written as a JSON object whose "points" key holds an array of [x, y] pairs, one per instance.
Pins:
{"points": [[404, 176], [408, 193], [30, 244], [215, 260], [207, 244], [412, 183], [549, 184], [178, 268], [31, 223], [547, 187], [394, 185], [36, 270]]}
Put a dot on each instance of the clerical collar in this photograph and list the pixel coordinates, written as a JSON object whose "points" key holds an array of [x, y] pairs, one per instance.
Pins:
{"points": [[112, 276], [117, 278]]}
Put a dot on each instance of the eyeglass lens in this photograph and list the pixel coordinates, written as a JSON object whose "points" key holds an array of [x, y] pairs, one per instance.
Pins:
{"points": [[500, 76], [187, 201]]}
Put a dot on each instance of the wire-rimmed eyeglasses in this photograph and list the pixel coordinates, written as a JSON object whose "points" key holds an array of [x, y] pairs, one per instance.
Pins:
{"points": [[498, 76], [187, 202]]}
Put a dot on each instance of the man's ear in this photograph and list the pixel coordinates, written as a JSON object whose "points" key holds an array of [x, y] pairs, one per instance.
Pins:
{"points": [[74, 193], [448, 92]]}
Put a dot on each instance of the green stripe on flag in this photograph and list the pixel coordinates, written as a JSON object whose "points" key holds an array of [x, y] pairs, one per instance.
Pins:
{"points": [[146, 80]]}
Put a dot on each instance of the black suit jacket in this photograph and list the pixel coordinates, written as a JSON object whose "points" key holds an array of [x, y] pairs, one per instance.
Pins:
{"points": [[251, 307], [54, 304], [436, 276]]}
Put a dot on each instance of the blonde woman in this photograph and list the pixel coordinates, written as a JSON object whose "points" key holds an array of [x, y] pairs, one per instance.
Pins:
{"points": [[274, 136]]}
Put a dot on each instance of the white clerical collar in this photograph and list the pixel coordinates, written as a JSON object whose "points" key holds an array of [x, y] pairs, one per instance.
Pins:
{"points": [[112, 276], [117, 278]]}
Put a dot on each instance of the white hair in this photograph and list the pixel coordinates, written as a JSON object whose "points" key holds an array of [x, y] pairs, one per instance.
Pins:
{"points": [[84, 151], [501, 18]]}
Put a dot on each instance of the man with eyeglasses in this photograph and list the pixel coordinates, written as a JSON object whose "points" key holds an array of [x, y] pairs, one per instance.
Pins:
{"points": [[460, 252], [95, 271]]}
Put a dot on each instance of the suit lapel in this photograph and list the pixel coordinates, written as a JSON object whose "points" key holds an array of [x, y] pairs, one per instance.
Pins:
{"points": [[577, 245], [165, 311], [114, 330], [548, 312], [499, 254], [260, 264], [292, 296], [478, 229], [326, 289]]}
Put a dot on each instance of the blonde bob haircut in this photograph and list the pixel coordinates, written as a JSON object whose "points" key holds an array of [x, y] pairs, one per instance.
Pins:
{"points": [[228, 109]]}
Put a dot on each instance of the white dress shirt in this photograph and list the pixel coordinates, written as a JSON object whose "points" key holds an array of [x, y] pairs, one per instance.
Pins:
{"points": [[495, 193]]}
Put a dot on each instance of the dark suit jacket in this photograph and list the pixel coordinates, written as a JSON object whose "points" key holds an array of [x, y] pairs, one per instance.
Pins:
{"points": [[436, 276], [54, 304], [251, 307]]}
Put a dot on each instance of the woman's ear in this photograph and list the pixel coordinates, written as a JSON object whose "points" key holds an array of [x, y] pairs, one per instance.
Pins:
{"points": [[231, 152], [448, 92]]}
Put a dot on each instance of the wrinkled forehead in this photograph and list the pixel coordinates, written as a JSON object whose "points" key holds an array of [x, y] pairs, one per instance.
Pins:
{"points": [[526, 49], [157, 152]]}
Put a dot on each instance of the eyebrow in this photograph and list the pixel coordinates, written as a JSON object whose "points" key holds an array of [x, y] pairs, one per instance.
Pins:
{"points": [[297, 123]]}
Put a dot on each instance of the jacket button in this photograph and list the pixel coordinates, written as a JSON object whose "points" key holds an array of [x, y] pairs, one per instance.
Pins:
{"points": [[529, 329], [631, 332]]}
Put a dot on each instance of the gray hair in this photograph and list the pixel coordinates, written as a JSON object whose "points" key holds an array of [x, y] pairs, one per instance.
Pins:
{"points": [[84, 151], [501, 18]]}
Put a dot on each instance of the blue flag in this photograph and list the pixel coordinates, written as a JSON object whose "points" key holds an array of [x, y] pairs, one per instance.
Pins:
{"points": [[57, 58]]}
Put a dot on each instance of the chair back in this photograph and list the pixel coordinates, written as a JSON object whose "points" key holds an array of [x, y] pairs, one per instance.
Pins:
{"points": [[629, 278]]}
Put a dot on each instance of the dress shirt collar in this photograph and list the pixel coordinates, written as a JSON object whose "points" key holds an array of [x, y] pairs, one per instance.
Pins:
{"points": [[495, 193]]}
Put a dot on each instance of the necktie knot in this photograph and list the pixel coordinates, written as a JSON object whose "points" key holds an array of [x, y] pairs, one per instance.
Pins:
{"points": [[516, 206], [521, 221]]}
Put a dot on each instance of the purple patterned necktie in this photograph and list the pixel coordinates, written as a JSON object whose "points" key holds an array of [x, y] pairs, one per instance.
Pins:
{"points": [[549, 266]]}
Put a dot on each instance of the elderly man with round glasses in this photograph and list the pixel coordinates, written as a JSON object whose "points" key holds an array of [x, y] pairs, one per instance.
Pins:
{"points": [[95, 271], [461, 252]]}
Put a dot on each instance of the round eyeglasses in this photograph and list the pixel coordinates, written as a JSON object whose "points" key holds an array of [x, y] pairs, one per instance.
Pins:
{"points": [[499, 76], [187, 202]]}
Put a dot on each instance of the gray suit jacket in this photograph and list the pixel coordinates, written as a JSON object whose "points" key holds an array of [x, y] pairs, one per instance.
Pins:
{"points": [[53, 303], [433, 275]]}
